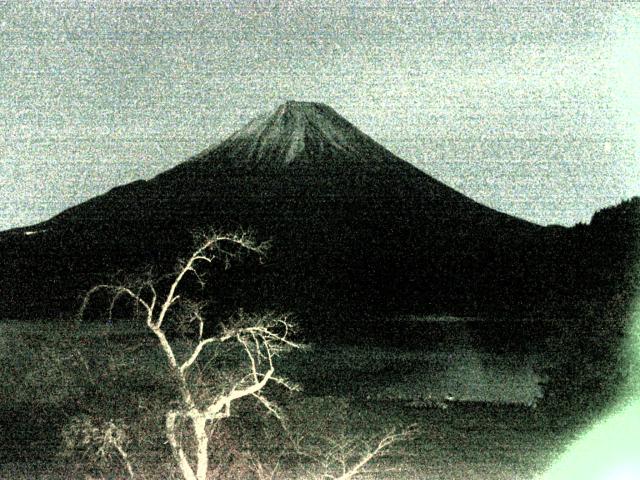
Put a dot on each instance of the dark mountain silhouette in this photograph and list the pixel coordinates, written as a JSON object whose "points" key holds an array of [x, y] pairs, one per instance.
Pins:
{"points": [[355, 231]]}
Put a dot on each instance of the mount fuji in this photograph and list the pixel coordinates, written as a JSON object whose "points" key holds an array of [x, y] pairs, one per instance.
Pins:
{"points": [[354, 229]]}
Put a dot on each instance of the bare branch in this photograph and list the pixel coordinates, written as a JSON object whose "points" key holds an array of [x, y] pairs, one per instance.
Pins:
{"points": [[196, 352], [206, 252], [294, 387], [379, 450], [245, 345], [225, 401], [269, 406], [114, 436], [116, 291]]}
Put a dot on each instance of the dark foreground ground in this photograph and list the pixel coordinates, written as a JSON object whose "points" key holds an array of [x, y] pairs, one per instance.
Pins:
{"points": [[462, 442], [469, 425]]}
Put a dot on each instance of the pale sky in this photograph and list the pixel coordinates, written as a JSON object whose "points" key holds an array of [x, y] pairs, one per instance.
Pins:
{"points": [[532, 108]]}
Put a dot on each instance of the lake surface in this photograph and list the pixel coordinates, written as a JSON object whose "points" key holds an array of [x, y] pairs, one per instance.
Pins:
{"points": [[425, 359]]}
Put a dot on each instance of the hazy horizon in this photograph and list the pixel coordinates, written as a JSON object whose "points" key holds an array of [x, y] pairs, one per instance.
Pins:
{"points": [[530, 108]]}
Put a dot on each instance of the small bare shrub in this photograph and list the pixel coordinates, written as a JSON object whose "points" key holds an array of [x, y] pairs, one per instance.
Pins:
{"points": [[98, 443]]}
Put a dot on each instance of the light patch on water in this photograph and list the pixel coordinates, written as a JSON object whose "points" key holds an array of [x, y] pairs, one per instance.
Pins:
{"points": [[467, 375]]}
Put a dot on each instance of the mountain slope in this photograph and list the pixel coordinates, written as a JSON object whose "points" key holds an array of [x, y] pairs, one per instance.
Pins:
{"points": [[354, 228]]}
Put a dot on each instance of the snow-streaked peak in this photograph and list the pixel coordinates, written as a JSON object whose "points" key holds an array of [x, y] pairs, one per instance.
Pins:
{"points": [[300, 132]]}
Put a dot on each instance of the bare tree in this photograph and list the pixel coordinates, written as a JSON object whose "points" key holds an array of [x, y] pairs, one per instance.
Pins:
{"points": [[190, 421], [261, 338]]}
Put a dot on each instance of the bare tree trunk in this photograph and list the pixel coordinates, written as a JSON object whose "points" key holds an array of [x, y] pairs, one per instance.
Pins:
{"points": [[176, 448], [202, 446], [199, 423]]}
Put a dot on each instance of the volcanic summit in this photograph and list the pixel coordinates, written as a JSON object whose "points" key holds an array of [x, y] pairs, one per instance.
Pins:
{"points": [[298, 132]]}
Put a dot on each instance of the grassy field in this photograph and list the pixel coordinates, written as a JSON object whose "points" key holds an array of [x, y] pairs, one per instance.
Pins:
{"points": [[479, 413]]}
